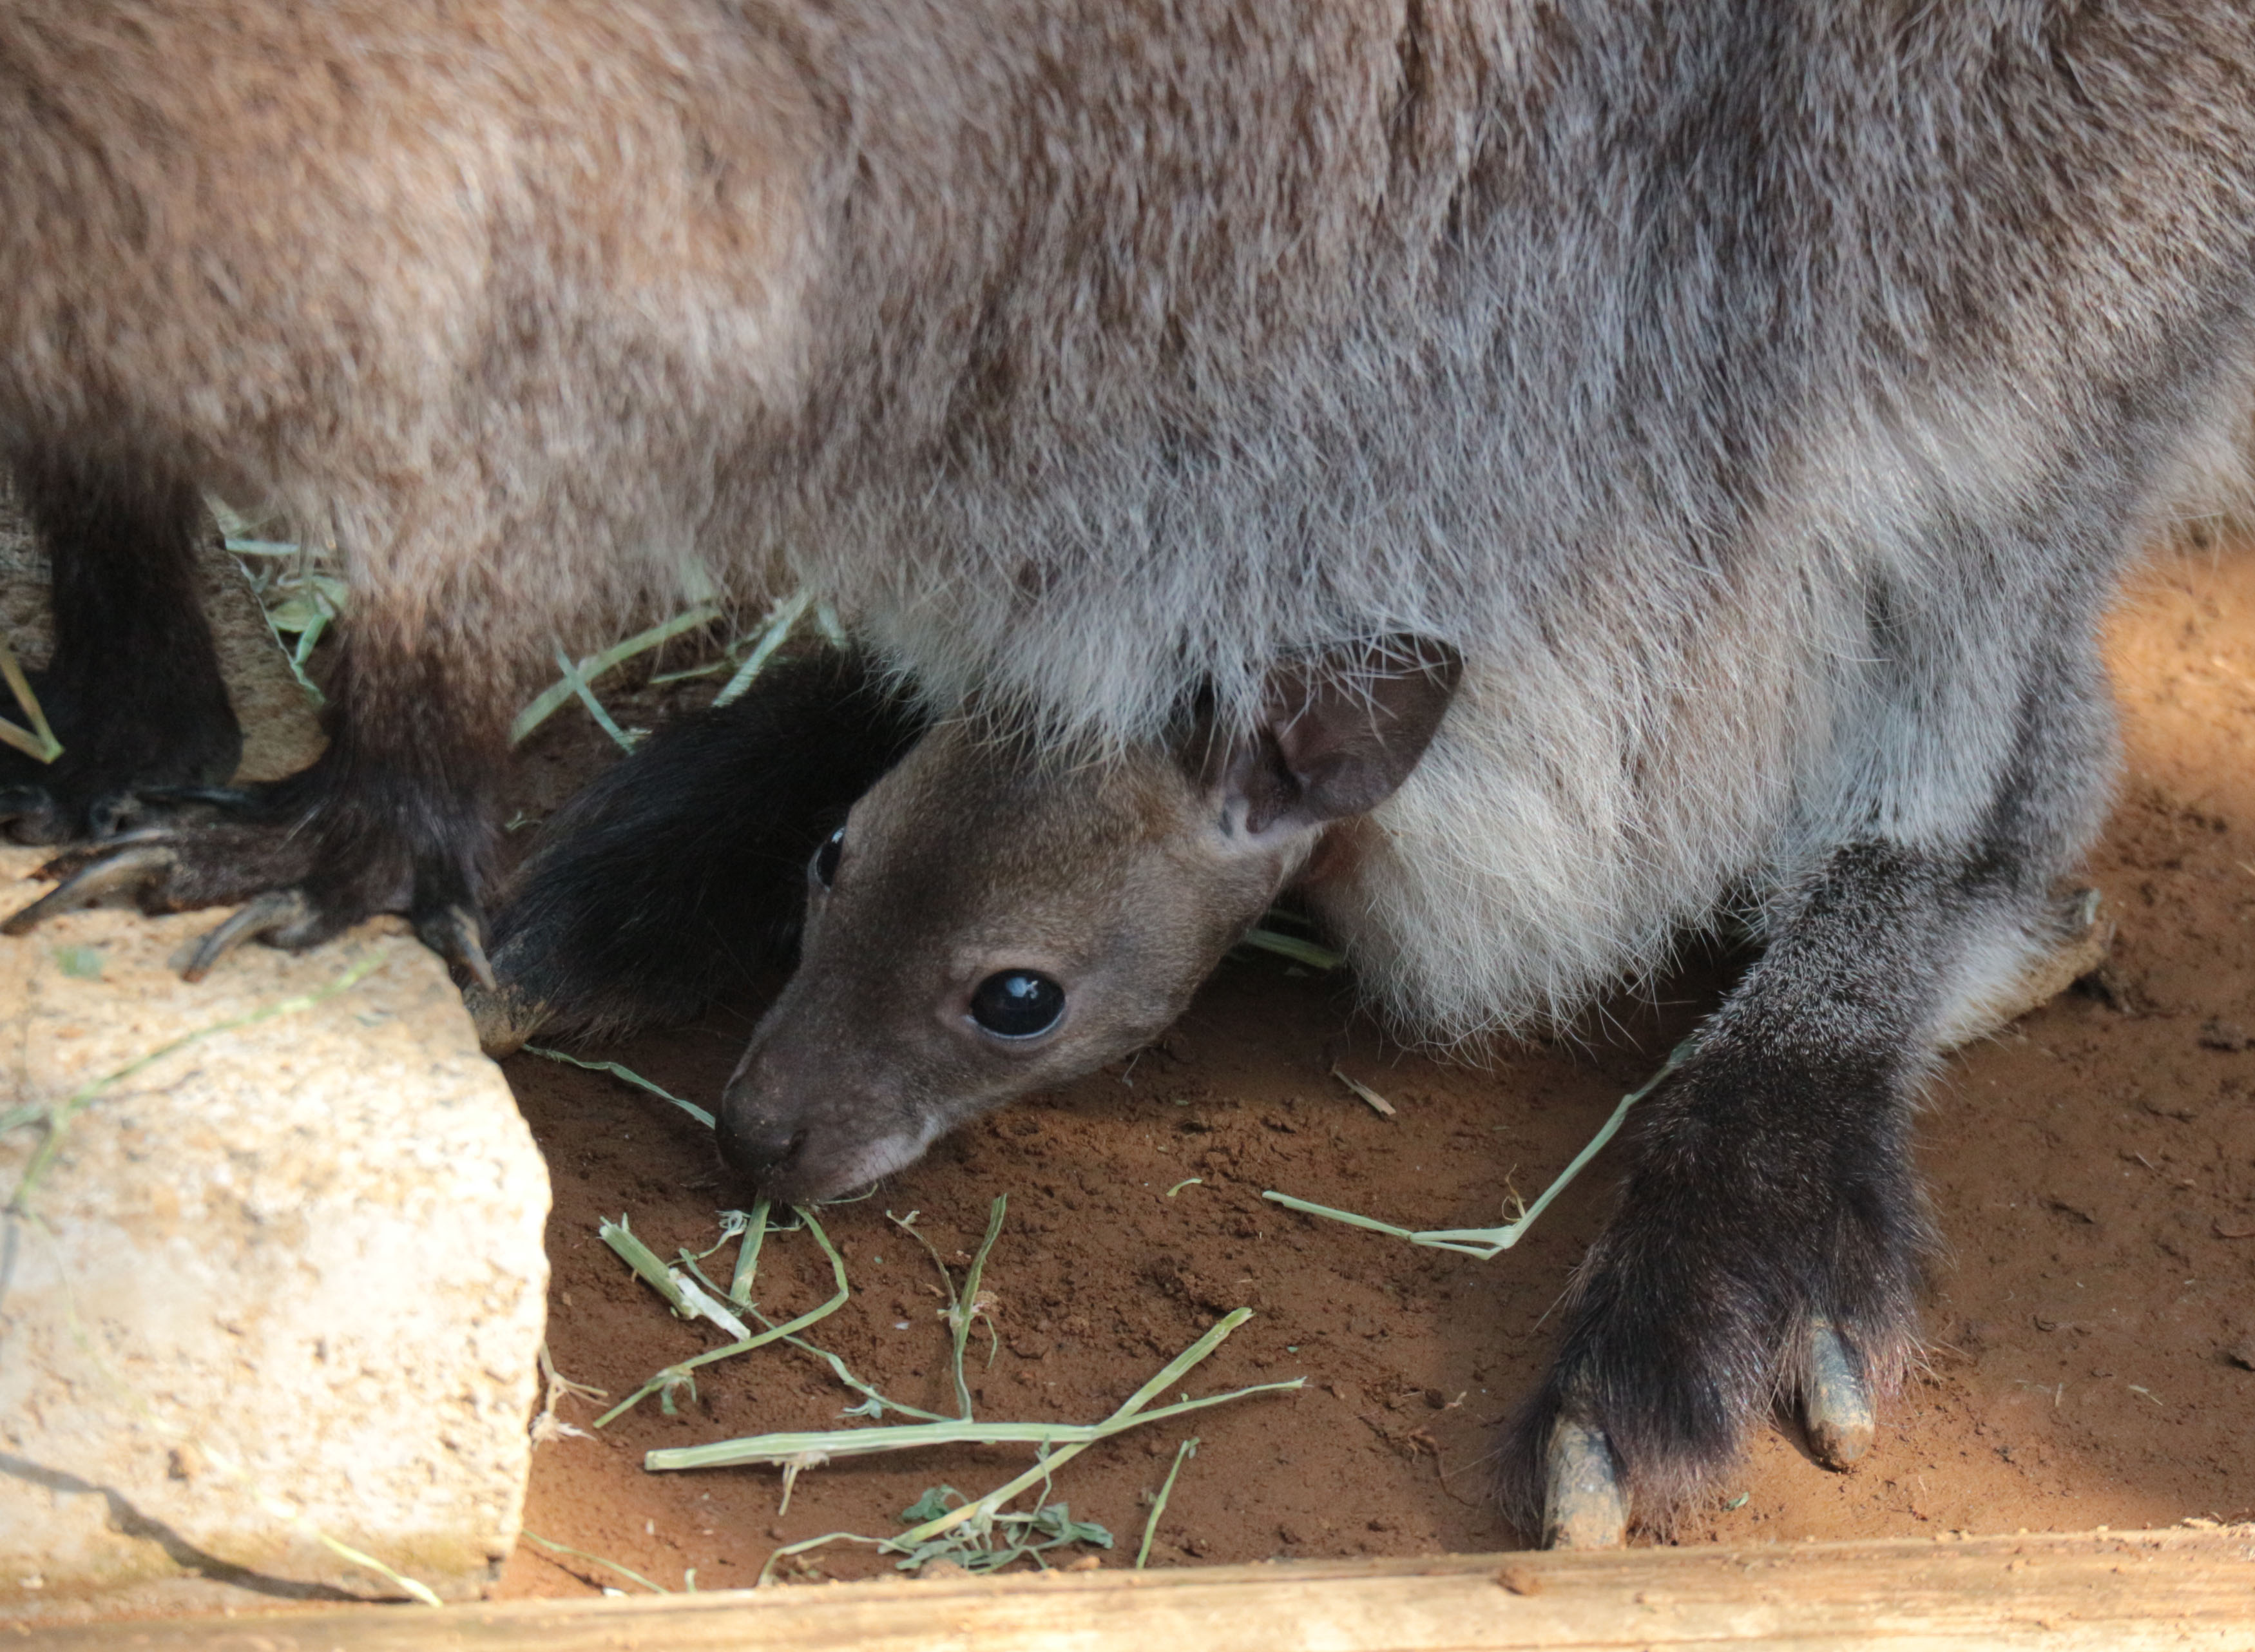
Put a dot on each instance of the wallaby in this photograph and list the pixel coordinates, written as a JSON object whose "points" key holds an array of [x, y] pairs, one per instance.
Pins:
{"points": [[1709, 433]]}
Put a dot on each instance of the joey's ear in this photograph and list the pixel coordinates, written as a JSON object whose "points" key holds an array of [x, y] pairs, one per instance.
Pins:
{"points": [[1336, 738]]}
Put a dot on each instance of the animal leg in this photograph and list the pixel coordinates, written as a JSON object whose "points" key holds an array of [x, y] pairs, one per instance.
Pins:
{"points": [[392, 818], [132, 689], [1767, 1246], [1585, 1500]]}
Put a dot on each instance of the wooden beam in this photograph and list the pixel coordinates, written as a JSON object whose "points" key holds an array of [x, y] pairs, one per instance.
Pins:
{"points": [[2109, 1592]]}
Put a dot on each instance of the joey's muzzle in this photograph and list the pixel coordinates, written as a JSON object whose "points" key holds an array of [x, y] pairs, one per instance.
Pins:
{"points": [[762, 1132], [763, 1145], [799, 1123]]}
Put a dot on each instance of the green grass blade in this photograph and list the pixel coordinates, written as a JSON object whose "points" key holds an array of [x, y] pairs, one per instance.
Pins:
{"points": [[587, 695], [1488, 1243], [778, 627], [629, 1075], [747, 1256], [967, 1309], [38, 741], [581, 1554], [678, 1372], [1187, 1450], [544, 704]]}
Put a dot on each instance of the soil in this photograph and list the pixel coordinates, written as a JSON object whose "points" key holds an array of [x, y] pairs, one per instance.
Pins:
{"points": [[2091, 1355]]}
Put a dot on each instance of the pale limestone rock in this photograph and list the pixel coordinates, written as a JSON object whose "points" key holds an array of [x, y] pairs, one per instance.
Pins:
{"points": [[285, 1282], [291, 1268]]}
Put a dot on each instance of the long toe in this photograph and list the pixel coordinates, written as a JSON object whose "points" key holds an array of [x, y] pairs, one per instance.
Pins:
{"points": [[132, 866], [455, 934], [269, 914], [1836, 1402], [1584, 1503]]}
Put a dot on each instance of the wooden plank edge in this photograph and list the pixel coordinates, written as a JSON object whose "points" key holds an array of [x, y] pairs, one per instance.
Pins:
{"points": [[2118, 1592]]}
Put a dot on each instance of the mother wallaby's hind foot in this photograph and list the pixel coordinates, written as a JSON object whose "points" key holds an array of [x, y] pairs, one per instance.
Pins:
{"points": [[1585, 1495], [391, 818]]}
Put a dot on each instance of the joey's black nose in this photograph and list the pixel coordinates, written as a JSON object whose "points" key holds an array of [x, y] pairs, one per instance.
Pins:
{"points": [[764, 1148]]}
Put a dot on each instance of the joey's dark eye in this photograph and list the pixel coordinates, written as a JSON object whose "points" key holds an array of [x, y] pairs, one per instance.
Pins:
{"points": [[1017, 1003], [825, 858]]}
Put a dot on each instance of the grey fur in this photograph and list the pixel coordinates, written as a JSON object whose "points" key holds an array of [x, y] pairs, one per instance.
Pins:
{"points": [[1761, 398]]}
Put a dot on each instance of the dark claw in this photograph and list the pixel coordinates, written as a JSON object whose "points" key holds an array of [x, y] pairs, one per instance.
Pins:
{"points": [[276, 909], [136, 863], [1583, 1504], [228, 798], [1835, 1403], [82, 856], [453, 934]]}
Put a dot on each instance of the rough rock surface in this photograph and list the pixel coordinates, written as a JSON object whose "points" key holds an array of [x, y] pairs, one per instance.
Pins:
{"points": [[273, 1287], [285, 1280]]}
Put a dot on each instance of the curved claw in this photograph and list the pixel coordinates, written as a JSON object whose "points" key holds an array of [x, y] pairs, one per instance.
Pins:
{"points": [[506, 1020], [115, 868], [84, 856], [274, 910], [1836, 1402], [1584, 1505], [218, 797], [454, 934]]}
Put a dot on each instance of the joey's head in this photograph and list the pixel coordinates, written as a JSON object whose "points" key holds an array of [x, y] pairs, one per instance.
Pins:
{"points": [[994, 919]]}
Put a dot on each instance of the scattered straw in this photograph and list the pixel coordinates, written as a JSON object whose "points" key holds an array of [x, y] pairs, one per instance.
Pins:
{"points": [[557, 1388], [629, 1075], [753, 1236], [971, 1303], [608, 1566], [1487, 1243], [786, 614], [38, 741], [626, 741], [1378, 1104], [975, 1533], [578, 676], [1060, 1442], [678, 1376], [976, 1546], [1184, 1452]]}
